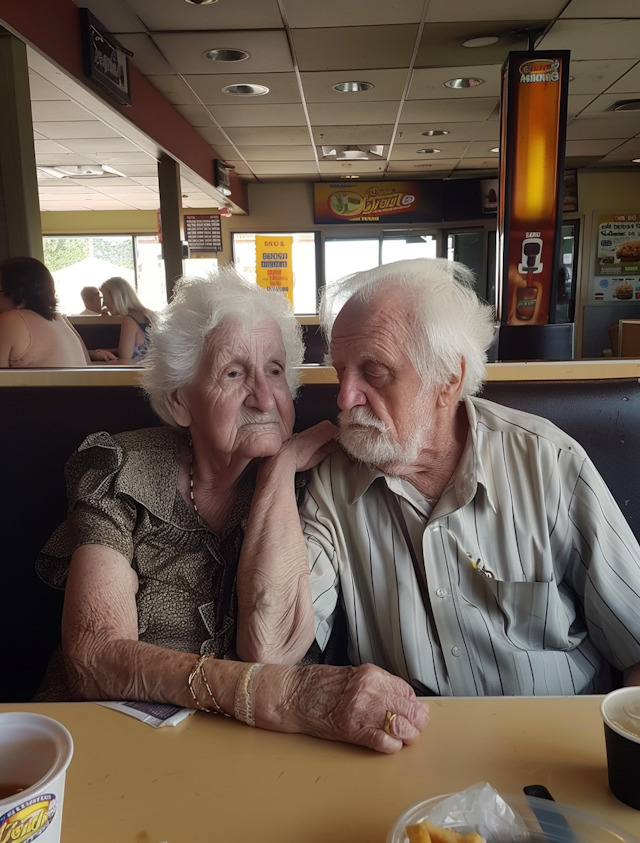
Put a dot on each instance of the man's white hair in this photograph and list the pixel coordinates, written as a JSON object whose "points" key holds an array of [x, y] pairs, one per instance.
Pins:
{"points": [[446, 318], [198, 306]]}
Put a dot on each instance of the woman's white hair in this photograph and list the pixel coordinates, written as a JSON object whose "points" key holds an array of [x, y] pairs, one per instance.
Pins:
{"points": [[447, 319], [198, 306]]}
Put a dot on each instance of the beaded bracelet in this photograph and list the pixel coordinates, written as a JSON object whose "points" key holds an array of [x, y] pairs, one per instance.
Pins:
{"points": [[198, 668], [243, 703]]}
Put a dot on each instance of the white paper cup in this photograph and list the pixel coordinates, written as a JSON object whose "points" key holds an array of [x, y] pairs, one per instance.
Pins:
{"points": [[35, 752]]}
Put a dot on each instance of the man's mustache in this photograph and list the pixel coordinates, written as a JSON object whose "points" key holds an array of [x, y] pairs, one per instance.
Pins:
{"points": [[361, 417]]}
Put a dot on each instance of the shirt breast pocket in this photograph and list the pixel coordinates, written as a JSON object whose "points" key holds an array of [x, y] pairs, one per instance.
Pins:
{"points": [[533, 614]]}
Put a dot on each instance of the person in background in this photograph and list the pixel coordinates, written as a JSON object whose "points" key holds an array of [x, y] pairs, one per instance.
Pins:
{"points": [[92, 301], [32, 333], [160, 603], [122, 300]]}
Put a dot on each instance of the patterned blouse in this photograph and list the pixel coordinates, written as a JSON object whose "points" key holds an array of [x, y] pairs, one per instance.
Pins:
{"points": [[123, 493]]}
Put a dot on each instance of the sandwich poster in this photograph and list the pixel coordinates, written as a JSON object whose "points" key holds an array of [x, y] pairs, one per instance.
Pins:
{"points": [[616, 269], [374, 202], [273, 264]]}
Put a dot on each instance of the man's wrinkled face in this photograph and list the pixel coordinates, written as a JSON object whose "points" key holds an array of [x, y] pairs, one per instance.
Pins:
{"points": [[386, 412]]}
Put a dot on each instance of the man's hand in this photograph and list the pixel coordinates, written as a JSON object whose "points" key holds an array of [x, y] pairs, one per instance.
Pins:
{"points": [[102, 354]]}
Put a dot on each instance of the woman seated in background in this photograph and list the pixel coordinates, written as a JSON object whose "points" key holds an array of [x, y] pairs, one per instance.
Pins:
{"points": [[161, 601], [122, 300], [32, 333]]}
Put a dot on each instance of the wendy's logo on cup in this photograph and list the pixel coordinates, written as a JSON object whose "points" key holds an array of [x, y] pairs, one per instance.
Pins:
{"points": [[28, 820]]}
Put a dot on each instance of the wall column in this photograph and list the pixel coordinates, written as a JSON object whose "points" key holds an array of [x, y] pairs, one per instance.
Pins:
{"points": [[20, 226], [172, 220]]}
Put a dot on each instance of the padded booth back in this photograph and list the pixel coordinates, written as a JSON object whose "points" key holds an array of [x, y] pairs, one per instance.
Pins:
{"points": [[41, 426]]}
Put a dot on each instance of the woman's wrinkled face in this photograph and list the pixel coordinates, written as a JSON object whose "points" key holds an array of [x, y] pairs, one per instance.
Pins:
{"points": [[239, 402]]}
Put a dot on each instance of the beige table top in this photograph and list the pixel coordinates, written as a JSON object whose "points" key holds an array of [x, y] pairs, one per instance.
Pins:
{"points": [[214, 779]]}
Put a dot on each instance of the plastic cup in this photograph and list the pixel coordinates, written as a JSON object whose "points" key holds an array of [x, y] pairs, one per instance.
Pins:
{"points": [[621, 715], [35, 752]]}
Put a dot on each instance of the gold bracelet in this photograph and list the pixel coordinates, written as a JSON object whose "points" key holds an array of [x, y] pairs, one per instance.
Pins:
{"points": [[243, 703], [196, 670]]}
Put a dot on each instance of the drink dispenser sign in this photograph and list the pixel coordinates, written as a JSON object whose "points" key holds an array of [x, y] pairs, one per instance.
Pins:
{"points": [[533, 129]]}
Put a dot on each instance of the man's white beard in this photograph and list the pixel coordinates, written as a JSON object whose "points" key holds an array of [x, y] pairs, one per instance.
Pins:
{"points": [[369, 440]]}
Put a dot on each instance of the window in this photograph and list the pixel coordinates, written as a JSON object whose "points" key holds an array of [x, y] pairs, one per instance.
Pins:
{"points": [[77, 262], [305, 291]]}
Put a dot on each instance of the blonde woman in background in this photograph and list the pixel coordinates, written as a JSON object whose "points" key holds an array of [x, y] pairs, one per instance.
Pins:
{"points": [[122, 300]]}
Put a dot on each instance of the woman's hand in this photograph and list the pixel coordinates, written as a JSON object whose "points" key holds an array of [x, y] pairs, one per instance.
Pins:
{"points": [[102, 354], [311, 446], [341, 703]]}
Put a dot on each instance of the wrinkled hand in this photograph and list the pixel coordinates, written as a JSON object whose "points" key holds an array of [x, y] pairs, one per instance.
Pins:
{"points": [[311, 446], [350, 703], [102, 354]]}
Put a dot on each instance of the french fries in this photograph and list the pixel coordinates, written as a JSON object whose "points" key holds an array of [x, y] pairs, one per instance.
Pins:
{"points": [[426, 832]]}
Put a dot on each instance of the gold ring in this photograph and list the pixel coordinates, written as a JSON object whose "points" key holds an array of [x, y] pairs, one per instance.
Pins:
{"points": [[388, 720]]}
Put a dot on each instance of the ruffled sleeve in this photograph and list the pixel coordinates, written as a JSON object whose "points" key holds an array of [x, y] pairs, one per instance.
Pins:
{"points": [[99, 513]]}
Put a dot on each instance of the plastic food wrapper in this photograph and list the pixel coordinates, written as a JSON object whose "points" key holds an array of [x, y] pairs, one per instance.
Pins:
{"points": [[479, 808], [155, 714]]}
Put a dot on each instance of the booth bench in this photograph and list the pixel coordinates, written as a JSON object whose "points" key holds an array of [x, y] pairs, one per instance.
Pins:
{"points": [[45, 415]]}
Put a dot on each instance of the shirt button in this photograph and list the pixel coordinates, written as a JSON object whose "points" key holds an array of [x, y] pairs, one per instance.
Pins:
{"points": [[456, 651], [441, 592]]}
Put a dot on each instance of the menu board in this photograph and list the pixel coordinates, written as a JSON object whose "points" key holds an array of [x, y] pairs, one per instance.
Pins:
{"points": [[203, 232], [616, 269]]}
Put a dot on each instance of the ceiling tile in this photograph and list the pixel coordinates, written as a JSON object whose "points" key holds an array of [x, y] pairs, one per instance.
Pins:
{"points": [[591, 147], [42, 89], [114, 16], [81, 129], [428, 83], [442, 43], [253, 14], [594, 77], [352, 134], [594, 39], [482, 149], [620, 126], [411, 132], [174, 88], [628, 83], [409, 151], [48, 111], [253, 113], [49, 147], [459, 111], [577, 103], [146, 55], [98, 146], [388, 85], [268, 51], [598, 9], [342, 168], [336, 114], [350, 48], [283, 87], [270, 135], [275, 153], [302, 13], [472, 10], [598, 106], [72, 158], [285, 167], [489, 131], [212, 135], [418, 170]]}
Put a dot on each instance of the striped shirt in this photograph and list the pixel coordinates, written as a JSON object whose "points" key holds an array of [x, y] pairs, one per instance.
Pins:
{"points": [[532, 572]]}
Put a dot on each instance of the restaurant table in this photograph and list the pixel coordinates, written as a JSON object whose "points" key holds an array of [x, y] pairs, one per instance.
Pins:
{"points": [[213, 779]]}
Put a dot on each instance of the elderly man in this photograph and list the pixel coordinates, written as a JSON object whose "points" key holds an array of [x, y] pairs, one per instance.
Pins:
{"points": [[92, 301], [475, 548]]}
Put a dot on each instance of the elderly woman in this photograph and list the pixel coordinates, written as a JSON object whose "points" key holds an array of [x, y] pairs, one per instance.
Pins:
{"points": [[161, 599], [32, 333]]}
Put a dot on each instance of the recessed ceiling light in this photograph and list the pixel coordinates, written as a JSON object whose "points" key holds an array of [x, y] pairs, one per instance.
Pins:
{"points": [[628, 105], [352, 87], [468, 82], [434, 133], [484, 41], [635, 160], [245, 90], [86, 171], [350, 176], [427, 151], [201, 2], [226, 54], [495, 149]]}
